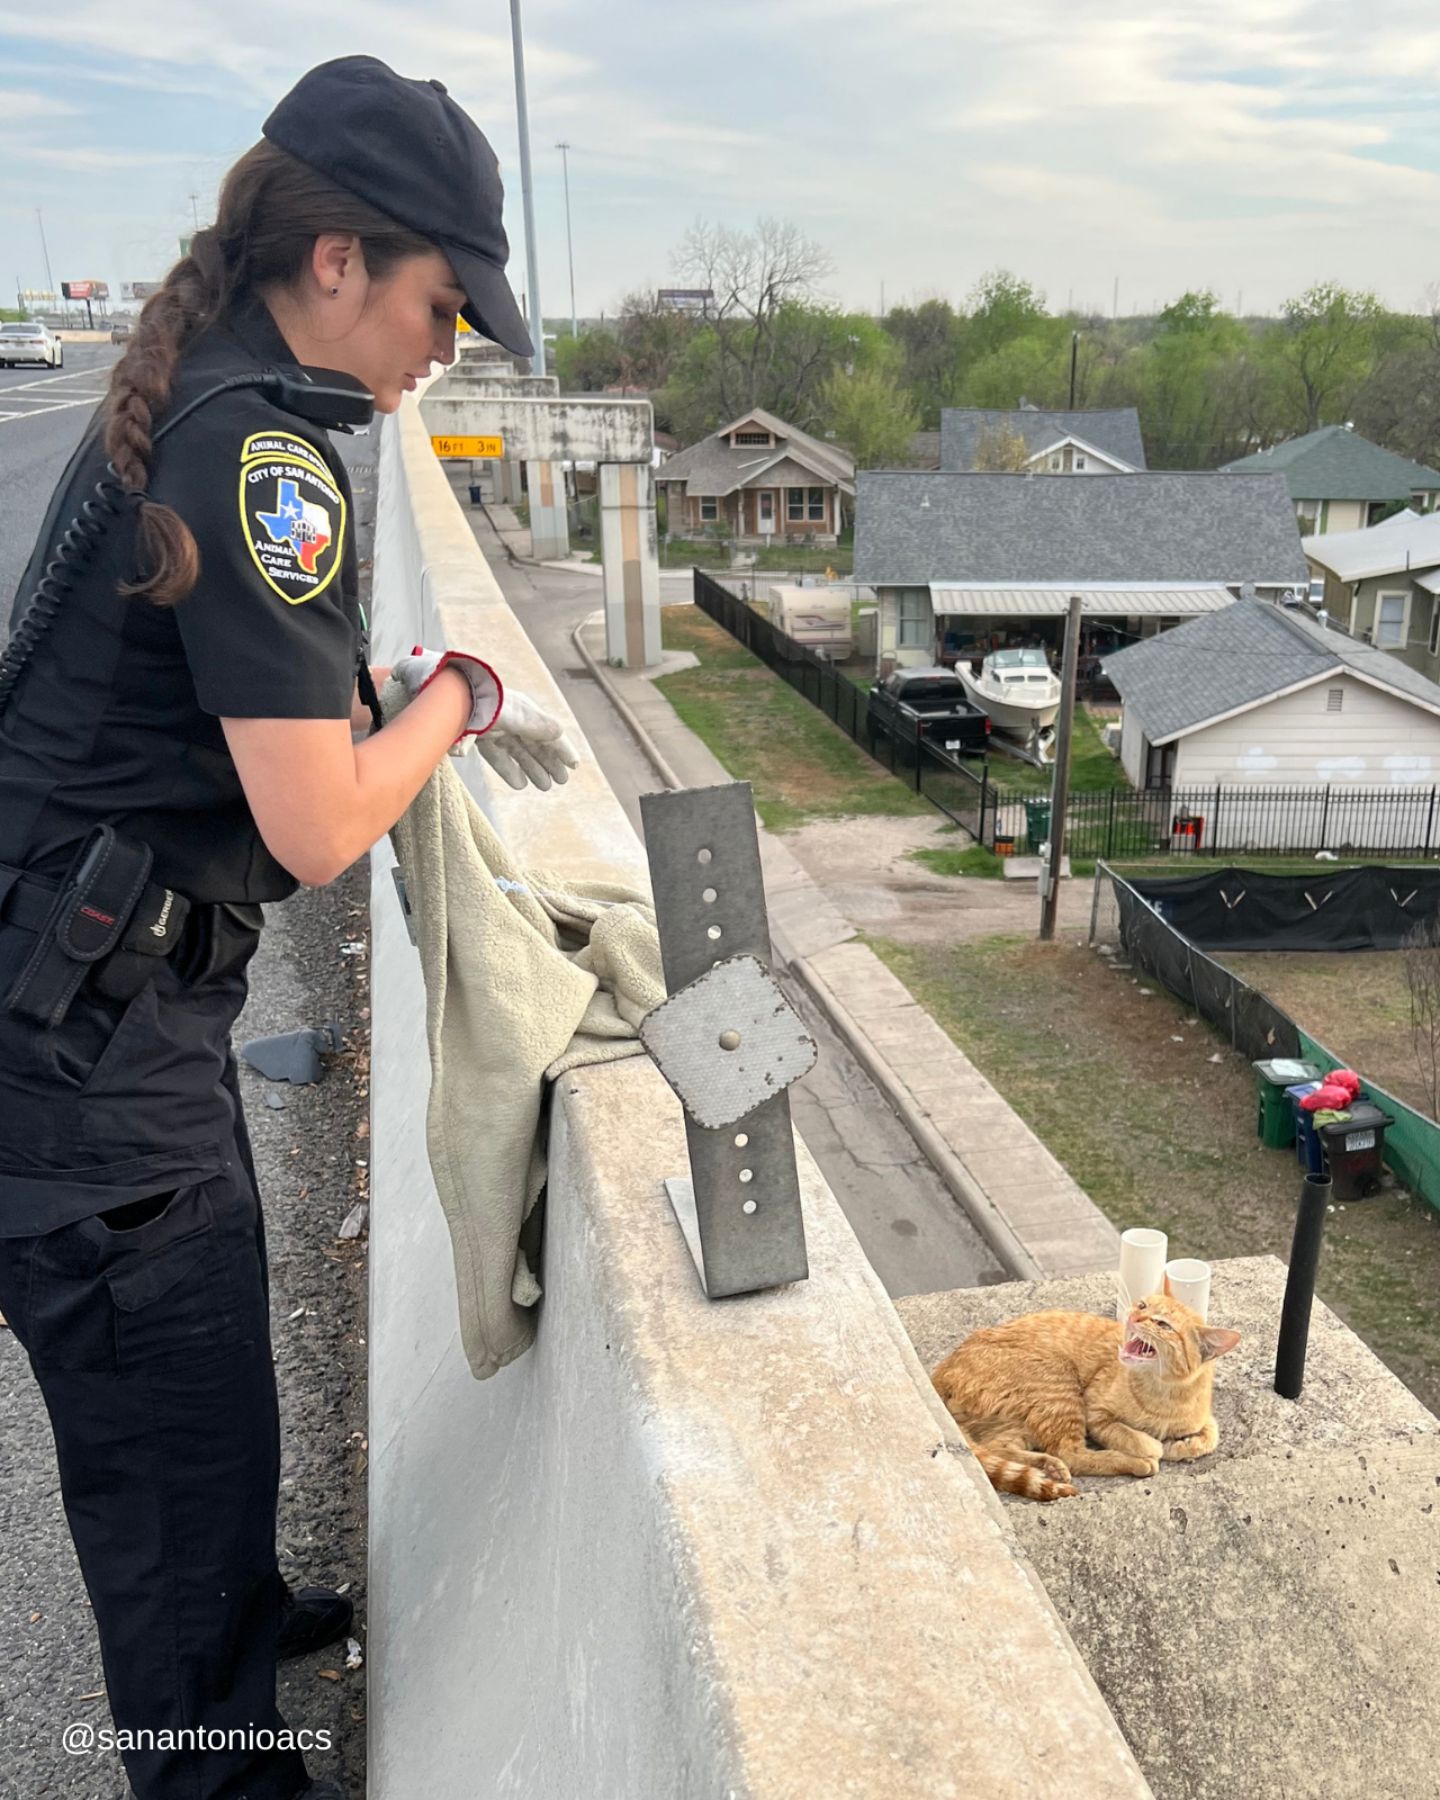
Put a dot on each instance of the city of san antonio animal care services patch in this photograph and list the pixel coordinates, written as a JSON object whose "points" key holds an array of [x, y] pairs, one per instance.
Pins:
{"points": [[292, 513]]}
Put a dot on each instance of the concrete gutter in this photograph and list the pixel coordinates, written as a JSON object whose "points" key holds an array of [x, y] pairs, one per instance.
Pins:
{"points": [[1035, 1219]]}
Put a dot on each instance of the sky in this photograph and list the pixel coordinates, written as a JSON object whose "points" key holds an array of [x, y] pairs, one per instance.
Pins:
{"points": [[1249, 146]]}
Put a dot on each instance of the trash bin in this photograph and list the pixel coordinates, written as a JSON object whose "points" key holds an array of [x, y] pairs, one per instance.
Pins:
{"points": [[1037, 823], [1309, 1151], [1354, 1148], [1275, 1112]]}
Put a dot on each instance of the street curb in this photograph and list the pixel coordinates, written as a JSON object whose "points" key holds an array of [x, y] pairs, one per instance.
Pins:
{"points": [[622, 706], [983, 1212]]}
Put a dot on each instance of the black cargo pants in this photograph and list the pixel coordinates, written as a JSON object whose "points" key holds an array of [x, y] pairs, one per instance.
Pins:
{"points": [[147, 1327]]}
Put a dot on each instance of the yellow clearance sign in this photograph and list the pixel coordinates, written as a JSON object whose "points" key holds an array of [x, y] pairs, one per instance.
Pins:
{"points": [[487, 449]]}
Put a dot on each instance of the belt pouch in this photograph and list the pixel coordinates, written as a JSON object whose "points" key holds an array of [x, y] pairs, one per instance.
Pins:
{"points": [[86, 923]]}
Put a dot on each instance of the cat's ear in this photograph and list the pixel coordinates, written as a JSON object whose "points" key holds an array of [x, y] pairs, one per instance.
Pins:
{"points": [[1214, 1341]]}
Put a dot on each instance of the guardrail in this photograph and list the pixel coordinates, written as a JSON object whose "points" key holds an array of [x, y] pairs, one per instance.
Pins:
{"points": [[680, 1548]]}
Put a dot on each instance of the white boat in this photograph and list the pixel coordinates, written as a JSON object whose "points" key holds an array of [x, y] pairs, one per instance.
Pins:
{"points": [[1018, 690]]}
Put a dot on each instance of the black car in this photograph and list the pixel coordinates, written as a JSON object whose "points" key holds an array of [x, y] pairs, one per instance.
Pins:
{"points": [[930, 703]]}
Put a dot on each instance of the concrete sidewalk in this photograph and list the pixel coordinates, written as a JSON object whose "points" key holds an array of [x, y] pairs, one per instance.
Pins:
{"points": [[1038, 1222]]}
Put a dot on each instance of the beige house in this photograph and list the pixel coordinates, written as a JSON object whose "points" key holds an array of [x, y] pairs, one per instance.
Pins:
{"points": [[1340, 481], [758, 481]]}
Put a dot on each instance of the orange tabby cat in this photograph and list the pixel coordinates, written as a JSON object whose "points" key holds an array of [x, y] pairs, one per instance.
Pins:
{"points": [[1029, 1395]]}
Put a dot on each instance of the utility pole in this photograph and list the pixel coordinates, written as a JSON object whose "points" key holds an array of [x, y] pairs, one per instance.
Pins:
{"points": [[194, 210], [1074, 355], [564, 150], [1060, 781], [536, 315], [49, 278], [1115, 303]]}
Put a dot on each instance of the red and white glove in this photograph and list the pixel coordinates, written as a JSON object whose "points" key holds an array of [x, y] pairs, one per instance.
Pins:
{"points": [[520, 740]]}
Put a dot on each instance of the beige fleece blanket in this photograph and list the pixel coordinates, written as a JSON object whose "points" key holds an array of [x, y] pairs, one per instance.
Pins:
{"points": [[527, 975]]}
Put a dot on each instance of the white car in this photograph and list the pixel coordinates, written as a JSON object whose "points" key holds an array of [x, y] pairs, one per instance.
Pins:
{"points": [[28, 342]]}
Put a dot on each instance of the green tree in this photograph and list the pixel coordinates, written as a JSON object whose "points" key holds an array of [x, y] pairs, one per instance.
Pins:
{"points": [[1184, 398], [1003, 307], [589, 363], [929, 336], [1322, 352], [870, 411]]}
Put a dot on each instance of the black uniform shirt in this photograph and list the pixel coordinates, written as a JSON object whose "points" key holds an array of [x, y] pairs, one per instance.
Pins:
{"points": [[117, 717]]}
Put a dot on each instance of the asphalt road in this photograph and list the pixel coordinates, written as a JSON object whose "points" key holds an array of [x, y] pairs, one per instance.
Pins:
{"points": [[43, 414]]}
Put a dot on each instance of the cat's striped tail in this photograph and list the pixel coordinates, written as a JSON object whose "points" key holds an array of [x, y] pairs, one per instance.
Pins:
{"points": [[1007, 1476]]}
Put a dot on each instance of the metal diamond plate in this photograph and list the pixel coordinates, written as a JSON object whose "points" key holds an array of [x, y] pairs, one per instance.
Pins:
{"points": [[728, 1042]]}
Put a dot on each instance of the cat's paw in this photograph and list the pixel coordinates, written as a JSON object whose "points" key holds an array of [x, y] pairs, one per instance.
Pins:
{"points": [[1187, 1449], [1052, 1467], [1141, 1466]]}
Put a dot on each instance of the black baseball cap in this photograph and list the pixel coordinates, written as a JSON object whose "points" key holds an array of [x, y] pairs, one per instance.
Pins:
{"points": [[407, 148]]}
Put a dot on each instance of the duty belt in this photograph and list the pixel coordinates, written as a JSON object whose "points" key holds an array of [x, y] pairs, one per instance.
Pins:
{"points": [[107, 904]]}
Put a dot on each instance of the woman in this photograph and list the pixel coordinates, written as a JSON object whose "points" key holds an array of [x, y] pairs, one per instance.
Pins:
{"points": [[177, 748]]}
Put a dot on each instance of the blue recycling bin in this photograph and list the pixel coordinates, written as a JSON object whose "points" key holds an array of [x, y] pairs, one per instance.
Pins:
{"points": [[1309, 1148]]}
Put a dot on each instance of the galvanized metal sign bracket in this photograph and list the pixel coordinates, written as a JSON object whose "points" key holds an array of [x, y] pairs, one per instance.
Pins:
{"points": [[726, 1040]]}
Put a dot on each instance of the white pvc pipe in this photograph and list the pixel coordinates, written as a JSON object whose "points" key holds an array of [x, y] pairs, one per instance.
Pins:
{"points": [[1188, 1281]]}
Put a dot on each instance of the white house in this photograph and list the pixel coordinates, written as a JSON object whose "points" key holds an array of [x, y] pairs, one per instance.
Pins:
{"points": [[1261, 698], [1097, 441]]}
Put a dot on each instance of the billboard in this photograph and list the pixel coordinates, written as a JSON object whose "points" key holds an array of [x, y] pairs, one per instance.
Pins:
{"points": [[138, 290], [85, 290]]}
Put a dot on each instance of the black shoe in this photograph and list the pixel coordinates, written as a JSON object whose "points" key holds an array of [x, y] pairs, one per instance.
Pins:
{"points": [[315, 1617]]}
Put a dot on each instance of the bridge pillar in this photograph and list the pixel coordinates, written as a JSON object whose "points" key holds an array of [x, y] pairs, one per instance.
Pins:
{"points": [[632, 567], [549, 519]]}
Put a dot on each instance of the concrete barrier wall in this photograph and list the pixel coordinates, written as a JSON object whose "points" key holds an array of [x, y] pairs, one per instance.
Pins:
{"points": [[681, 1548]]}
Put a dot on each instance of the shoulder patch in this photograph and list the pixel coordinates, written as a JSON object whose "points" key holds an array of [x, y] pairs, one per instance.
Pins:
{"points": [[292, 513]]}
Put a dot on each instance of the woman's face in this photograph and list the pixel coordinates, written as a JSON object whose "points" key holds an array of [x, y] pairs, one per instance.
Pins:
{"points": [[398, 325]]}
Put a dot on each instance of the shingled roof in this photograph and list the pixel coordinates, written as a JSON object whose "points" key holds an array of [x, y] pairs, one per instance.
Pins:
{"points": [[1114, 431], [1335, 463], [1225, 662], [915, 526], [713, 468]]}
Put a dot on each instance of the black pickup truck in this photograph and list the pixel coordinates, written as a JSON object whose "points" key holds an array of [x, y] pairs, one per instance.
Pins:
{"points": [[930, 704]]}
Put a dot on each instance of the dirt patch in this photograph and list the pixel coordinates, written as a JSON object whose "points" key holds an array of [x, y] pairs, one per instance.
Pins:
{"points": [[865, 867], [1355, 1003], [1119, 1083]]}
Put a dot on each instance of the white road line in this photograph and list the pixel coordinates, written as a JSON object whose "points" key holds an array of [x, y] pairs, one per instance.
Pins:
{"points": [[44, 411], [11, 397]]}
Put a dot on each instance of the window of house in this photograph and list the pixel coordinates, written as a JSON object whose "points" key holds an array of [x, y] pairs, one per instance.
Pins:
{"points": [[709, 511], [795, 503], [1054, 465], [1392, 616], [752, 437], [917, 622], [1334, 700], [817, 504], [1079, 462], [1435, 626]]}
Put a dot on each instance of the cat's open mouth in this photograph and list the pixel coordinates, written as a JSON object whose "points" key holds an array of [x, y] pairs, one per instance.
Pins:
{"points": [[1136, 1350]]}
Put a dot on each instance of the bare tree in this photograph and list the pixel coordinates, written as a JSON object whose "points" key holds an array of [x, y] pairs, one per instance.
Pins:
{"points": [[1421, 950], [752, 275]]}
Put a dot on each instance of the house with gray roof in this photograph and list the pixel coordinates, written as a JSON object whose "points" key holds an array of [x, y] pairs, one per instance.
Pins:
{"points": [[1382, 586], [758, 481], [1340, 481], [966, 563], [1261, 697], [1101, 441]]}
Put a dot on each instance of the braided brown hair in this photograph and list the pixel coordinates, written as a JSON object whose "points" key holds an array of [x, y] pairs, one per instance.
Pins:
{"points": [[272, 208]]}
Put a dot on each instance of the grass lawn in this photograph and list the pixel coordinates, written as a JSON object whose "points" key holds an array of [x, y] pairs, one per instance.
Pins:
{"points": [[1093, 770], [801, 766], [1159, 1135], [683, 553]]}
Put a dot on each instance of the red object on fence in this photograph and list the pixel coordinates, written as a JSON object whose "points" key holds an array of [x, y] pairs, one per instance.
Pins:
{"points": [[1188, 825]]}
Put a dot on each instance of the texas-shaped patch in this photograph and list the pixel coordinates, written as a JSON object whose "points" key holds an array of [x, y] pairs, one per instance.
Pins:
{"points": [[292, 513]]}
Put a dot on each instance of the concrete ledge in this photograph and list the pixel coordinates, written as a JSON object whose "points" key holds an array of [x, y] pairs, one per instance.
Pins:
{"points": [[681, 1548], [1262, 1621]]}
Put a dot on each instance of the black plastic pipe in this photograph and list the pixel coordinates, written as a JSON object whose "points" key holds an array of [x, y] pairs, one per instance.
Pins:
{"points": [[1300, 1286]]}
